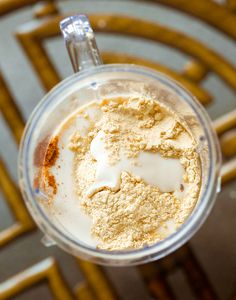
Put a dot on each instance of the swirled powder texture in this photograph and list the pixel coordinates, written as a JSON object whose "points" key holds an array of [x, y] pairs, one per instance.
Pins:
{"points": [[137, 214]]}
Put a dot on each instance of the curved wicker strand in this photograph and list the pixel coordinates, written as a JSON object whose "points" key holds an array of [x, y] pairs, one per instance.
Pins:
{"points": [[228, 143], [228, 171], [211, 12], [225, 122], [46, 271], [7, 6], [23, 222], [10, 111]]}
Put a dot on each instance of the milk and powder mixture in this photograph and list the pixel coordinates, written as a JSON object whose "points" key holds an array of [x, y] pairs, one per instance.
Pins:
{"points": [[124, 174]]}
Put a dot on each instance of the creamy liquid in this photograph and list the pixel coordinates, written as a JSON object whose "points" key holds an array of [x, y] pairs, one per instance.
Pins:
{"points": [[164, 173]]}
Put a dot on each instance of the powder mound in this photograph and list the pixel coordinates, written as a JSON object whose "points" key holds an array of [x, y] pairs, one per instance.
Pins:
{"points": [[131, 217], [135, 214]]}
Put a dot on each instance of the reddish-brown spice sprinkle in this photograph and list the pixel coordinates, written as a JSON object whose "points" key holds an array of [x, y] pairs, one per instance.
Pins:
{"points": [[49, 160], [45, 156], [52, 183], [52, 153]]}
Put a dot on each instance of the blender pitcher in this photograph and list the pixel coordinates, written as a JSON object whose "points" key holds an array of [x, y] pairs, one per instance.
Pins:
{"points": [[94, 81]]}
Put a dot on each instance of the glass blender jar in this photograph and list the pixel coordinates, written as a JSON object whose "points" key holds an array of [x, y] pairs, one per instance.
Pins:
{"points": [[92, 80]]}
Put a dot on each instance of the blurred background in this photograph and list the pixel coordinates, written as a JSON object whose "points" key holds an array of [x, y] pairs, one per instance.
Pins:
{"points": [[193, 42]]}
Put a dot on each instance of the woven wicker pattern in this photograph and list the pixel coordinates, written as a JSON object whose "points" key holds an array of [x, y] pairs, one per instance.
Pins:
{"points": [[203, 60]]}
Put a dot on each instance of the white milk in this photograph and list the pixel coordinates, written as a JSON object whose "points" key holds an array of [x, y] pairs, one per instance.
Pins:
{"points": [[164, 173]]}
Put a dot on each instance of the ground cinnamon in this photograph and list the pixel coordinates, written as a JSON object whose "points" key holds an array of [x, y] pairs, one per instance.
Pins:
{"points": [[51, 181], [46, 161], [52, 153]]}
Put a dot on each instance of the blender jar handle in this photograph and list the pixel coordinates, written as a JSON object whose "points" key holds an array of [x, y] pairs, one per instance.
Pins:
{"points": [[80, 42]]}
